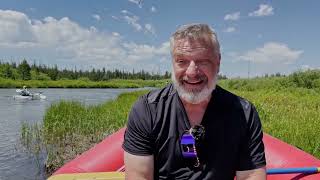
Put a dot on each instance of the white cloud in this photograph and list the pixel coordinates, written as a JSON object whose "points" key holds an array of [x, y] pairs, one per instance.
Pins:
{"points": [[96, 17], [149, 28], [115, 18], [164, 48], [32, 9], [140, 52], [230, 29], [137, 2], [232, 17], [115, 34], [15, 28], [126, 12], [264, 10], [153, 9], [133, 21], [64, 42], [271, 52]]}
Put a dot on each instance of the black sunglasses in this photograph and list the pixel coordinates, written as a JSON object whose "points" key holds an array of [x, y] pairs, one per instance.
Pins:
{"points": [[189, 139]]}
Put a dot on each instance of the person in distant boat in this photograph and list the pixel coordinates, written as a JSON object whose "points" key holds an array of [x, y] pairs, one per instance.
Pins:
{"points": [[24, 91], [193, 128]]}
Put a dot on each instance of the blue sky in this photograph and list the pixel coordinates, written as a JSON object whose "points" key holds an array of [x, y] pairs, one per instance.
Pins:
{"points": [[258, 37]]}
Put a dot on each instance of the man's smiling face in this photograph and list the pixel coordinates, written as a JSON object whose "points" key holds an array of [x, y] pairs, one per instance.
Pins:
{"points": [[195, 68]]}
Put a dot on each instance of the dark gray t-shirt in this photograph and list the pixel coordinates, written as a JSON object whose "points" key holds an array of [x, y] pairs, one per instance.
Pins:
{"points": [[232, 141]]}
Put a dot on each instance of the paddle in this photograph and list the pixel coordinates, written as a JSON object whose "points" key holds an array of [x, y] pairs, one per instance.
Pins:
{"points": [[306, 170]]}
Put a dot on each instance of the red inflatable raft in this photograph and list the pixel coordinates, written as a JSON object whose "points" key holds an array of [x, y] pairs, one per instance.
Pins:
{"points": [[107, 156]]}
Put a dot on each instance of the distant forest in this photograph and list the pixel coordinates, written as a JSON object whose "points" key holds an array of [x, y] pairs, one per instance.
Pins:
{"points": [[25, 71]]}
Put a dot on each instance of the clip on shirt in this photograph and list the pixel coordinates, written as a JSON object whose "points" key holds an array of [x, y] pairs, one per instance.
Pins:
{"points": [[189, 139]]}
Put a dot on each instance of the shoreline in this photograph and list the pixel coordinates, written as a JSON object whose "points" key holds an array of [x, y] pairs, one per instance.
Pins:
{"points": [[114, 83]]}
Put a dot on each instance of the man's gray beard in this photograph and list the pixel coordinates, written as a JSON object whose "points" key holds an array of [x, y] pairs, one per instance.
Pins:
{"points": [[194, 97]]}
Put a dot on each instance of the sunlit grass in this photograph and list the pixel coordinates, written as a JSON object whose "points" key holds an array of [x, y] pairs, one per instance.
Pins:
{"points": [[291, 116], [70, 128]]}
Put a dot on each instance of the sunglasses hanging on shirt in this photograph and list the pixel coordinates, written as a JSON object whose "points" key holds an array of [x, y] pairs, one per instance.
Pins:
{"points": [[189, 140]]}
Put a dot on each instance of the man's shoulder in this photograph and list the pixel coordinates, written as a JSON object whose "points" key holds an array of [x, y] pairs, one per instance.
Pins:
{"points": [[158, 95], [231, 99], [150, 100]]}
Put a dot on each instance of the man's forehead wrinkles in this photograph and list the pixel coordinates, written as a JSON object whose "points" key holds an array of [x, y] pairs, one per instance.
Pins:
{"points": [[187, 48], [191, 56], [187, 51]]}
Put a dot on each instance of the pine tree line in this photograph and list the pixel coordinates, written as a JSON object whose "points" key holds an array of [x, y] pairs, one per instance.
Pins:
{"points": [[25, 71]]}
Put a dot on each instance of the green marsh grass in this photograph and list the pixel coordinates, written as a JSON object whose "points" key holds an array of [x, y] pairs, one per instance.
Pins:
{"points": [[290, 115], [69, 128], [289, 107]]}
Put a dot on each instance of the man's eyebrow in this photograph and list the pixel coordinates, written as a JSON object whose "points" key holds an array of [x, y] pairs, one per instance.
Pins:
{"points": [[179, 54]]}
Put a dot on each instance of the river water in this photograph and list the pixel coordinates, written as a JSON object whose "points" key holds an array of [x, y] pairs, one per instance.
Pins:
{"points": [[15, 162]]}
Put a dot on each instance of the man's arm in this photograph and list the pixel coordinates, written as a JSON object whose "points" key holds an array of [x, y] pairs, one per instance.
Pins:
{"points": [[138, 167], [255, 174]]}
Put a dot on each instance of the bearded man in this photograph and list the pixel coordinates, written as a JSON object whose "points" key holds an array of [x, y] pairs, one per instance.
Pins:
{"points": [[193, 128]]}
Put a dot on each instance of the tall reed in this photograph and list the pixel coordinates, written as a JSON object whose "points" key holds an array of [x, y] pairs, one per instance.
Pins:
{"points": [[70, 128]]}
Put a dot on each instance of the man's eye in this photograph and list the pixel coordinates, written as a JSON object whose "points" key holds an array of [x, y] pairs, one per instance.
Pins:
{"points": [[203, 63], [181, 61]]}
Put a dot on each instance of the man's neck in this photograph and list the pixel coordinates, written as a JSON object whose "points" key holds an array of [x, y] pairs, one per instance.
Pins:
{"points": [[195, 112]]}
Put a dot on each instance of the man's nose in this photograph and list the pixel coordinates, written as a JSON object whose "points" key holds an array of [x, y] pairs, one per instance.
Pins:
{"points": [[192, 69]]}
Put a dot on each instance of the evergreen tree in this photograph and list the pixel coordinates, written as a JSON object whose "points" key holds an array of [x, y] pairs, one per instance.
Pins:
{"points": [[7, 73], [24, 70], [14, 65], [53, 73]]}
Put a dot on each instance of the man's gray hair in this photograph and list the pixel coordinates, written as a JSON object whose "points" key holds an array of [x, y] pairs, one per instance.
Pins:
{"points": [[195, 31]]}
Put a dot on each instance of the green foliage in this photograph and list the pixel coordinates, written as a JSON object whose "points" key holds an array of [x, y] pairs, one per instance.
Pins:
{"points": [[6, 71], [66, 118], [15, 74], [73, 74], [290, 114], [7, 83], [70, 128], [36, 75], [53, 73], [308, 79], [24, 70], [85, 79], [289, 107], [316, 83]]}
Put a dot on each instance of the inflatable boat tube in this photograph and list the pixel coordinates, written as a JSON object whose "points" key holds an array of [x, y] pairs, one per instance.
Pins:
{"points": [[107, 156]]}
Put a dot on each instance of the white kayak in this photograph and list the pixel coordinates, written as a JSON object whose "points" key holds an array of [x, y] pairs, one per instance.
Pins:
{"points": [[31, 96]]}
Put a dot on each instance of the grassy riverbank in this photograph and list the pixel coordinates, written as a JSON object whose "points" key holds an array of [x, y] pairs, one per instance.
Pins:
{"points": [[292, 115], [82, 83], [70, 128], [289, 108]]}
